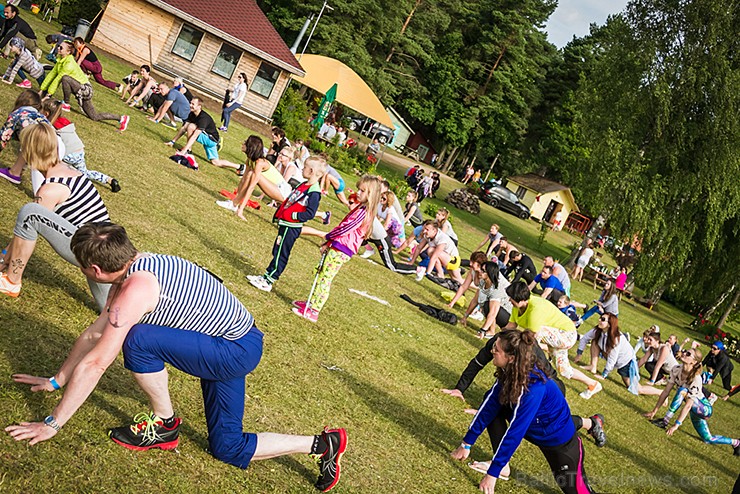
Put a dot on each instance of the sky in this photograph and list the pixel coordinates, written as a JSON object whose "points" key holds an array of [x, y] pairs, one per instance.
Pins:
{"points": [[573, 17]]}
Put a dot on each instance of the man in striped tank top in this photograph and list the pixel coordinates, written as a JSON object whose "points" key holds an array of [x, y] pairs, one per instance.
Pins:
{"points": [[166, 309]]}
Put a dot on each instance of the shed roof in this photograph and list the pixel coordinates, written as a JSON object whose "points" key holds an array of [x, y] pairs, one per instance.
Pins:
{"points": [[542, 185], [241, 23]]}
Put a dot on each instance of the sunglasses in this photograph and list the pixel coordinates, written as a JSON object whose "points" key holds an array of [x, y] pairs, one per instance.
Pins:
{"points": [[687, 353], [604, 319], [715, 348]]}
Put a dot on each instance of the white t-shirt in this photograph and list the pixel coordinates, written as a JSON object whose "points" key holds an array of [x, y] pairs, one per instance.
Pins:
{"points": [[447, 227], [448, 245], [585, 257], [485, 295], [383, 215]]}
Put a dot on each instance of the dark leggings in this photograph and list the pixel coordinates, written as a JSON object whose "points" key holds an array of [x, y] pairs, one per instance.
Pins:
{"points": [[566, 460], [502, 317], [386, 255], [650, 367], [70, 86]]}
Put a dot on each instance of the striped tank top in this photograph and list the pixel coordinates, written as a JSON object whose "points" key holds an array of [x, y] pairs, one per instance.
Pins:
{"points": [[192, 299], [84, 204]]}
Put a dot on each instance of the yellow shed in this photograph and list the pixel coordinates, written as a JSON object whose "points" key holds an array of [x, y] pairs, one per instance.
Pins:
{"points": [[207, 43], [547, 200]]}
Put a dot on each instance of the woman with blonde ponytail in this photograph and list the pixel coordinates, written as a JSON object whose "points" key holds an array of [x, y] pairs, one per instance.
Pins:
{"points": [[535, 408], [687, 379]]}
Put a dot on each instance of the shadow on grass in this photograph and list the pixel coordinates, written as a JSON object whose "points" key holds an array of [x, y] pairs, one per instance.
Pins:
{"points": [[291, 463], [443, 375]]}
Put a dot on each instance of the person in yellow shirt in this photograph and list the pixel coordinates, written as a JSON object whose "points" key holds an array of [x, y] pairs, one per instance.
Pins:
{"points": [[554, 330]]}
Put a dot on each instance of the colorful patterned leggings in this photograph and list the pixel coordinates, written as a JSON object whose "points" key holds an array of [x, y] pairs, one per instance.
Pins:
{"points": [[332, 263], [559, 341], [700, 411], [77, 160]]}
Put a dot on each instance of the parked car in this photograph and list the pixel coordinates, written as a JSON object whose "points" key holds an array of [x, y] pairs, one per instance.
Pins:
{"points": [[502, 198], [374, 129]]}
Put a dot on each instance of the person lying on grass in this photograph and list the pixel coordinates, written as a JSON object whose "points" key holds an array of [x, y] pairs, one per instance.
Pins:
{"points": [[165, 309], [65, 201], [527, 397], [686, 378], [258, 172]]}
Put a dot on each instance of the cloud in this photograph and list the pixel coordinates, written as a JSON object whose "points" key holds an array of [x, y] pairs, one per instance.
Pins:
{"points": [[573, 17]]}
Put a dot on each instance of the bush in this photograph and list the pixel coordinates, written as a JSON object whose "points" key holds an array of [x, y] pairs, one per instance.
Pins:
{"points": [[712, 333], [292, 114], [431, 210], [73, 10]]}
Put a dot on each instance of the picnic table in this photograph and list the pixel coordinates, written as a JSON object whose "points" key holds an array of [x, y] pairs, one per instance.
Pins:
{"points": [[599, 277], [408, 152]]}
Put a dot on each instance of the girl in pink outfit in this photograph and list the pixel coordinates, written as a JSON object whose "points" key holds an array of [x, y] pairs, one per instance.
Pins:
{"points": [[341, 244], [621, 281]]}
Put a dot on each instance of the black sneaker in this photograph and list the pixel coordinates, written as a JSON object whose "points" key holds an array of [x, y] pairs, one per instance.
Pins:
{"points": [[147, 432], [114, 185], [242, 168], [659, 423], [329, 468], [597, 430]]}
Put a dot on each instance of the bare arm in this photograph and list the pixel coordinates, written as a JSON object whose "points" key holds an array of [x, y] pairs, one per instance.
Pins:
{"points": [[493, 308], [465, 285], [659, 362], [411, 212], [661, 399]]}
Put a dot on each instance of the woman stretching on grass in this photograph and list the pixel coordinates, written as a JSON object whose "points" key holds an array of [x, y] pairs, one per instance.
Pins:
{"points": [[493, 300], [66, 201], [687, 380], [662, 361], [258, 172], [535, 408], [341, 244], [618, 352]]}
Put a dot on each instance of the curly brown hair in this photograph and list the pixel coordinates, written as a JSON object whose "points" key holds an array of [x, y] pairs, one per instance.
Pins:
{"points": [[515, 377]]}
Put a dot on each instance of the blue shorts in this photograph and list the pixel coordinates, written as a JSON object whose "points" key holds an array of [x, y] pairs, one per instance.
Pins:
{"points": [[340, 188], [220, 364], [624, 371], [210, 146]]}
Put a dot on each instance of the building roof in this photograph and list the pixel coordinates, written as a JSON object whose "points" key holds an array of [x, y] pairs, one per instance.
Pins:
{"points": [[541, 185], [394, 114], [240, 22]]}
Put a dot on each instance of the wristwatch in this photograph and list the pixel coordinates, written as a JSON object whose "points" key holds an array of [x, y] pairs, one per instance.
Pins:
{"points": [[52, 422]]}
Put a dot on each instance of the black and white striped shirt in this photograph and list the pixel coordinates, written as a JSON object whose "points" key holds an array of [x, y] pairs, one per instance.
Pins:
{"points": [[84, 204], [192, 299]]}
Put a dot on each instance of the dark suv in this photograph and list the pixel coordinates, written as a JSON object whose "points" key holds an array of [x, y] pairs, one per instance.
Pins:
{"points": [[374, 129], [502, 198]]}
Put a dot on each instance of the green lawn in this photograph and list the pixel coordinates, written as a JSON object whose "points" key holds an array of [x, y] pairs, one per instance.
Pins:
{"points": [[390, 362]]}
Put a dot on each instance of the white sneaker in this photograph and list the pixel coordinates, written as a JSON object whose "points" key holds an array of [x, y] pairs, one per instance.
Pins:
{"points": [[477, 315], [712, 398], [420, 273], [586, 395], [227, 204], [260, 282], [367, 253]]}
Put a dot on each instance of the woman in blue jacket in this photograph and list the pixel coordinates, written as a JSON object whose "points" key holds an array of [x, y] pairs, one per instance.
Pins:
{"points": [[536, 410]]}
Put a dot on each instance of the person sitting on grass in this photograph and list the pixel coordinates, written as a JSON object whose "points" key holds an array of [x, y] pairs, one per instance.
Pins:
{"points": [[607, 302], [26, 112], [258, 172], [299, 207], [166, 309], [528, 398], [175, 106], [69, 75], [658, 359], [65, 201], [341, 244], [686, 378], [492, 299], [568, 308], [129, 83], [143, 88], [412, 213], [553, 329], [718, 363], [200, 127], [552, 289], [442, 251], [24, 61], [74, 149], [616, 348]]}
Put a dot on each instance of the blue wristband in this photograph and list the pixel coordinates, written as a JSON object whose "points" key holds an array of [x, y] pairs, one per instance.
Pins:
{"points": [[678, 423], [54, 383], [465, 446]]}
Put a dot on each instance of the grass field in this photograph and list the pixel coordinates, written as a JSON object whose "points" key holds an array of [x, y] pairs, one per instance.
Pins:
{"points": [[373, 369]]}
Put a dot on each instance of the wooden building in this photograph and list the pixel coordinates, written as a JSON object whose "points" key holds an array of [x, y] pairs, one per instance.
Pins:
{"points": [[206, 42], [545, 198]]}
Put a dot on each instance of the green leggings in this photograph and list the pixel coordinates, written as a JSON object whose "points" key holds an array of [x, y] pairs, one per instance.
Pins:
{"points": [[332, 263]]}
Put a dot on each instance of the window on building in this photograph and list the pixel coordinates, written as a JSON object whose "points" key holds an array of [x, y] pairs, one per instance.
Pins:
{"points": [[187, 42], [521, 192], [265, 80], [226, 61]]}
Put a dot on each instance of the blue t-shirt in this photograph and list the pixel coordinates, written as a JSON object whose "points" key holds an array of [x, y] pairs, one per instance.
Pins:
{"points": [[551, 282], [180, 105]]}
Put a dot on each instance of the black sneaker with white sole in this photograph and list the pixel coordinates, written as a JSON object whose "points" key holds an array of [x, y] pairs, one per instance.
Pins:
{"points": [[335, 443]]}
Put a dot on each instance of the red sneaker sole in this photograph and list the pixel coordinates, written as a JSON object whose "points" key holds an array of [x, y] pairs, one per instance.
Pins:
{"points": [[165, 446], [343, 440]]}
